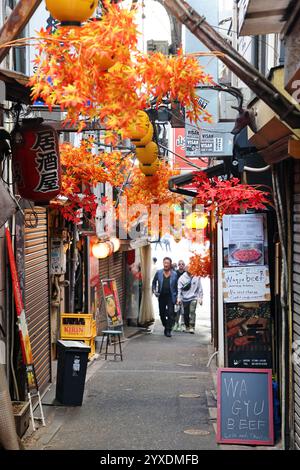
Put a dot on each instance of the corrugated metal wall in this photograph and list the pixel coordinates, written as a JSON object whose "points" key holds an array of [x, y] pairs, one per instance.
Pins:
{"points": [[296, 302], [37, 305]]}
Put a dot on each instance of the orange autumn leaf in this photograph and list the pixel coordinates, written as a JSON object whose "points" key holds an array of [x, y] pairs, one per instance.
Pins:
{"points": [[97, 72], [200, 265]]}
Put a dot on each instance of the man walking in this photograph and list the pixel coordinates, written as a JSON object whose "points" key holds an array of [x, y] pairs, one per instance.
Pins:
{"points": [[164, 286], [178, 308], [189, 292]]}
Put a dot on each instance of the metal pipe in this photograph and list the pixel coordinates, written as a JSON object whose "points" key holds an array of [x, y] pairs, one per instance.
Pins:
{"points": [[211, 358], [281, 230], [257, 170]]}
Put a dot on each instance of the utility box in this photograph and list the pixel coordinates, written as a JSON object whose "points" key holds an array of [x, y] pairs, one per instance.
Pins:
{"points": [[71, 371]]}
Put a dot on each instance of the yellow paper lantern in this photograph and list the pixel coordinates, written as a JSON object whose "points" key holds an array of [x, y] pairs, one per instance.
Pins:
{"points": [[105, 62], [149, 169], [147, 154], [116, 243], [141, 131], [101, 250], [196, 220], [71, 12]]}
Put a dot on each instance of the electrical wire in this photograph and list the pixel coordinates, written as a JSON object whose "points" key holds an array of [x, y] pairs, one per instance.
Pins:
{"points": [[182, 158], [197, 127]]}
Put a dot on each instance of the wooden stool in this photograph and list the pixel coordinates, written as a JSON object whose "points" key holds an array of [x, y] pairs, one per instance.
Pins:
{"points": [[109, 334]]}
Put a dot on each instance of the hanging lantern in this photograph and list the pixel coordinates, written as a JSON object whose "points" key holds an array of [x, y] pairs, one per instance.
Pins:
{"points": [[110, 246], [196, 220], [105, 61], [139, 128], [130, 257], [36, 162], [71, 12], [149, 169], [101, 250], [116, 243], [141, 131], [147, 154]]}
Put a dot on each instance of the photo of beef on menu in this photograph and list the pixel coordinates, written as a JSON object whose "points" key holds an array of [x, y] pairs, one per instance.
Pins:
{"points": [[246, 254]]}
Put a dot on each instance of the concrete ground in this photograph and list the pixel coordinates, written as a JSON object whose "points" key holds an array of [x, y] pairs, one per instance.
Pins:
{"points": [[157, 398]]}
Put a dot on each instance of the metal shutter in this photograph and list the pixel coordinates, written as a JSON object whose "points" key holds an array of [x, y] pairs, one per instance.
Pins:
{"points": [[37, 306], [296, 300]]}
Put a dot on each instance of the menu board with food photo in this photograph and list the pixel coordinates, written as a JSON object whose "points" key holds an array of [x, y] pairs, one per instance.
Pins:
{"points": [[112, 304], [246, 254], [248, 335]]}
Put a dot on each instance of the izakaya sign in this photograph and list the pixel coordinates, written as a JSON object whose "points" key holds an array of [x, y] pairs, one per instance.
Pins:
{"points": [[36, 161]]}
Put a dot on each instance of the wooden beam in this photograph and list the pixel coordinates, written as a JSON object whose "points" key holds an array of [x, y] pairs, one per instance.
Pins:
{"points": [[294, 148], [16, 22]]}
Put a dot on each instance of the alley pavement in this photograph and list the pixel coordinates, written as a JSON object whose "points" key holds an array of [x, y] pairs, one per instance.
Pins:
{"points": [[157, 398]]}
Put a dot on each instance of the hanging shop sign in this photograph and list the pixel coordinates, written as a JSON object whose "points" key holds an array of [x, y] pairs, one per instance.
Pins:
{"points": [[246, 284], [207, 143], [248, 335], [245, 407], [36, 161], [112, 303]]}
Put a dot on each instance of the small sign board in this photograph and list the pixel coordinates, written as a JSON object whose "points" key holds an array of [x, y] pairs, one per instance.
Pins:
{"points": [[248, 284], [112, 303], [245, 407]]}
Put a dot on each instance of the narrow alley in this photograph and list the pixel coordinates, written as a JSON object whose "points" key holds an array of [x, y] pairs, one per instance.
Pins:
{"points": [[155, 399]]}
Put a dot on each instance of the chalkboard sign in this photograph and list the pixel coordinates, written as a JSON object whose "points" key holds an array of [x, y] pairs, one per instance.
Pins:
{"points": [[245, 406]]}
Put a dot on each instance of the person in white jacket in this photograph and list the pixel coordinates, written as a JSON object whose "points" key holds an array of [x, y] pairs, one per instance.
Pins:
{"points": [[189, 293]]}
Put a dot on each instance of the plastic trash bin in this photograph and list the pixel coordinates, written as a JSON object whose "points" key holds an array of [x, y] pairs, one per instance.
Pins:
{"points": [[71, 371]]}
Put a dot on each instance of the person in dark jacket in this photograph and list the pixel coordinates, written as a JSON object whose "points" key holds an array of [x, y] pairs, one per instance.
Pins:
{"points": [[164, 286]]}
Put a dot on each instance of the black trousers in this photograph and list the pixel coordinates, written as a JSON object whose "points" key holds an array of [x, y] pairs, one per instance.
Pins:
{"points": [[166, 311]]}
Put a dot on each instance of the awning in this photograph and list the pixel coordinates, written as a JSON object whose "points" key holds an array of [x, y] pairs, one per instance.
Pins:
{"points": [[16, 86], [262, 16]]}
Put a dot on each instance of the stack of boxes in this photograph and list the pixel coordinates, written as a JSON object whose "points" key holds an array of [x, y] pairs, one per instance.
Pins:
{"points": [[79, 327]]}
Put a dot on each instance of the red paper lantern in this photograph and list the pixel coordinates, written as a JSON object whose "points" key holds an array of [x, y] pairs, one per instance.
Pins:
{"points": [[130, 257], [36, 161]]}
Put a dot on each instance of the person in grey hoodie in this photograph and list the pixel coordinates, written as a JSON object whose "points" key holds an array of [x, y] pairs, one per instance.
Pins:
{"points": [[189, 293]]}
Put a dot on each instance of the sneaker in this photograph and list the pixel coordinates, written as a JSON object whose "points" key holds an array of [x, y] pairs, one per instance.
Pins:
{"points": [[176, 327], [192, 330], [186, 329]]}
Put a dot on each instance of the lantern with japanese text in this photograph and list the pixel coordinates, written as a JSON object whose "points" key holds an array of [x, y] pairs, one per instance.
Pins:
{"points": [[71, 12], [36, 162]]}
